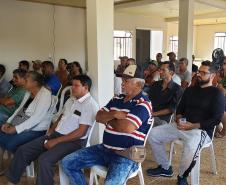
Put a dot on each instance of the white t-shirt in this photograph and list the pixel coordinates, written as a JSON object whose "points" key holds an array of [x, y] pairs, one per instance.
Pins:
{"points": [[77, 111], [176, 79]]}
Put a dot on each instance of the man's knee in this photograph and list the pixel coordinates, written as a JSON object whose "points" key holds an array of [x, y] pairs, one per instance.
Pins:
{"points": [[44, 160], [11, 146], [154, 135]]}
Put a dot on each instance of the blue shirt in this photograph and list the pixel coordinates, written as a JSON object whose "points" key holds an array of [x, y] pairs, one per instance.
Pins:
{"points": [[53, 83], [138, 113]]}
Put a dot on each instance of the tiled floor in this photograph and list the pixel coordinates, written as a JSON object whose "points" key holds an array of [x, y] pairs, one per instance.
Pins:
{"points": [[206, 177]]}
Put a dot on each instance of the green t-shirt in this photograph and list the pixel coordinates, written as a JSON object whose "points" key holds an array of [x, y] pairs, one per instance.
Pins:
{"points": [[223, 82], [17, 94]]}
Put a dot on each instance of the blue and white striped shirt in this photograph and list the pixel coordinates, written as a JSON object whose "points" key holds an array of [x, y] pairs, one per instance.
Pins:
{"points": [[138, 113]]}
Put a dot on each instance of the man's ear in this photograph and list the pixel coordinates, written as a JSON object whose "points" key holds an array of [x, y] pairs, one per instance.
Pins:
{"points": [[213, 75], [172, 73]]}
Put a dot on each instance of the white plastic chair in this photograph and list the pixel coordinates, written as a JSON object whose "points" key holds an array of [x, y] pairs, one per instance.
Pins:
{"points": [[66, 89], [5, 153], [26, 97], [62, 101], [63, 177], [195, 173], [30, 169], [102, 171], [58, 92]]}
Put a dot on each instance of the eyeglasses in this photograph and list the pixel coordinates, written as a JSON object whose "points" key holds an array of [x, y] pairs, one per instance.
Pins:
{"points": [[203, 73]]}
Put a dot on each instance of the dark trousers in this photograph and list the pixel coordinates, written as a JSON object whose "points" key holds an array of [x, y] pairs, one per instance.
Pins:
{"points": [[47, 159]]}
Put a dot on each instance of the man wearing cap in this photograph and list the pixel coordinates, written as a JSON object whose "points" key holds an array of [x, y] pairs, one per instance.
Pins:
{"points": [[126, 118], [183, 73], [37, 65], [164, 95], [121, 67]]}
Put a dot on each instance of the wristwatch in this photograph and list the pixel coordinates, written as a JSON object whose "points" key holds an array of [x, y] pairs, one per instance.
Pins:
{"points": [[45, 141]]}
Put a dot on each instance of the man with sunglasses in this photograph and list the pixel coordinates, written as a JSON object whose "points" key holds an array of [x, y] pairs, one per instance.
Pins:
{"points": [[201, 108]]}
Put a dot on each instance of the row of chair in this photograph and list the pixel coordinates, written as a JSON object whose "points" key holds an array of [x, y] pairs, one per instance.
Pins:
{"points": [[95, 130]]}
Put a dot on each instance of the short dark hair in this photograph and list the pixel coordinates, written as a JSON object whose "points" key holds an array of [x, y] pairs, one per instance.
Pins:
{"points": [[194, 68], [48, 63], [78, 65], [65, 61], [84, 79], [25, 63], [20, 72], [212, 68], [183, 59], [171, 66], [2, 69], [37, 77]]}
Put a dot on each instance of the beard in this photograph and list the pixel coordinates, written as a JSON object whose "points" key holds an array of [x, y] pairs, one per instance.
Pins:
{"points": [[202, 82]]}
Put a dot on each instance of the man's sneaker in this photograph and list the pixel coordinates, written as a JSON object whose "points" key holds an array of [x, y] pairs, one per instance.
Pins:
{"points": [[159, 171], [182, 180]]}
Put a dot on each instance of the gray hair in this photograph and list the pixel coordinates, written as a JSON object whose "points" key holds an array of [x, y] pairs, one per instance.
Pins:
{"points": [[140, 81]]}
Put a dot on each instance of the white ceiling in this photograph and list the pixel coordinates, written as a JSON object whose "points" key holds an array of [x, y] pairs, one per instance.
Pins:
{"points": [[204, 12], [167, 9]]}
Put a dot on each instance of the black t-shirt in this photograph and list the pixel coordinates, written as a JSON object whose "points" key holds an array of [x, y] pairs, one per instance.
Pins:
{"points": [[202, 105], [164, 99]]}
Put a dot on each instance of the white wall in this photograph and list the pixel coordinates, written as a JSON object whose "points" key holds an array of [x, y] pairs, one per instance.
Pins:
{"points": [[27, 32], [203, 36], [205, 39], [130, 22]]}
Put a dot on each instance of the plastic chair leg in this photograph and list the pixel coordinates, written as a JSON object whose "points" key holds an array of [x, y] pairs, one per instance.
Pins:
{"points": [[30, 170], [141, 177], [63, 177], [213, 160]]}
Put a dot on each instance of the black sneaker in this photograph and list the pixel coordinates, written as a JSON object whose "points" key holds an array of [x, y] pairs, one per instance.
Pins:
{"points": [[159, 171], [182, 180]]}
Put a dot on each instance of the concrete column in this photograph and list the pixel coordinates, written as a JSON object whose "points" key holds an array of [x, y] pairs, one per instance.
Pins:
{"points": [[185, 45], [100, 49]]}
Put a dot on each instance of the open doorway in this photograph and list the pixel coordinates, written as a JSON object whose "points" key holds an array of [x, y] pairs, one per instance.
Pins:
{"points": [[148, 44]]}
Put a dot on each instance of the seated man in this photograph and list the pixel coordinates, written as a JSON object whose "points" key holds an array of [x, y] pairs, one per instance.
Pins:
{"points": [[121, 67], [151, 73], [24, 64], [14, 97], [125, 116], [4, 84], [68, 134], [51, 80], [203, 107], [164, 94], [37, 65], [183, 73]]}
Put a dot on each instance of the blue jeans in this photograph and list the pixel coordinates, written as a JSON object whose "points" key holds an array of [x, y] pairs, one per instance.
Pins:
{"points": [[11, 142], [3, 118], [119, 168]]}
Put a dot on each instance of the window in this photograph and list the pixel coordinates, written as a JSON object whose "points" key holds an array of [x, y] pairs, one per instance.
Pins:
{"points": [[122, 44], [220, 40], [174, 43]]}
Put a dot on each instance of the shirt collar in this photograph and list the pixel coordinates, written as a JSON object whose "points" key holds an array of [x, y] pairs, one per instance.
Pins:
{"points": [[83, 98], [170, 84], [135, 98]]}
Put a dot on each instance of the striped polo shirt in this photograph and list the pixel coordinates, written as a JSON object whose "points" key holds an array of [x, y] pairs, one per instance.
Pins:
{"points": [[138, 112]]}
